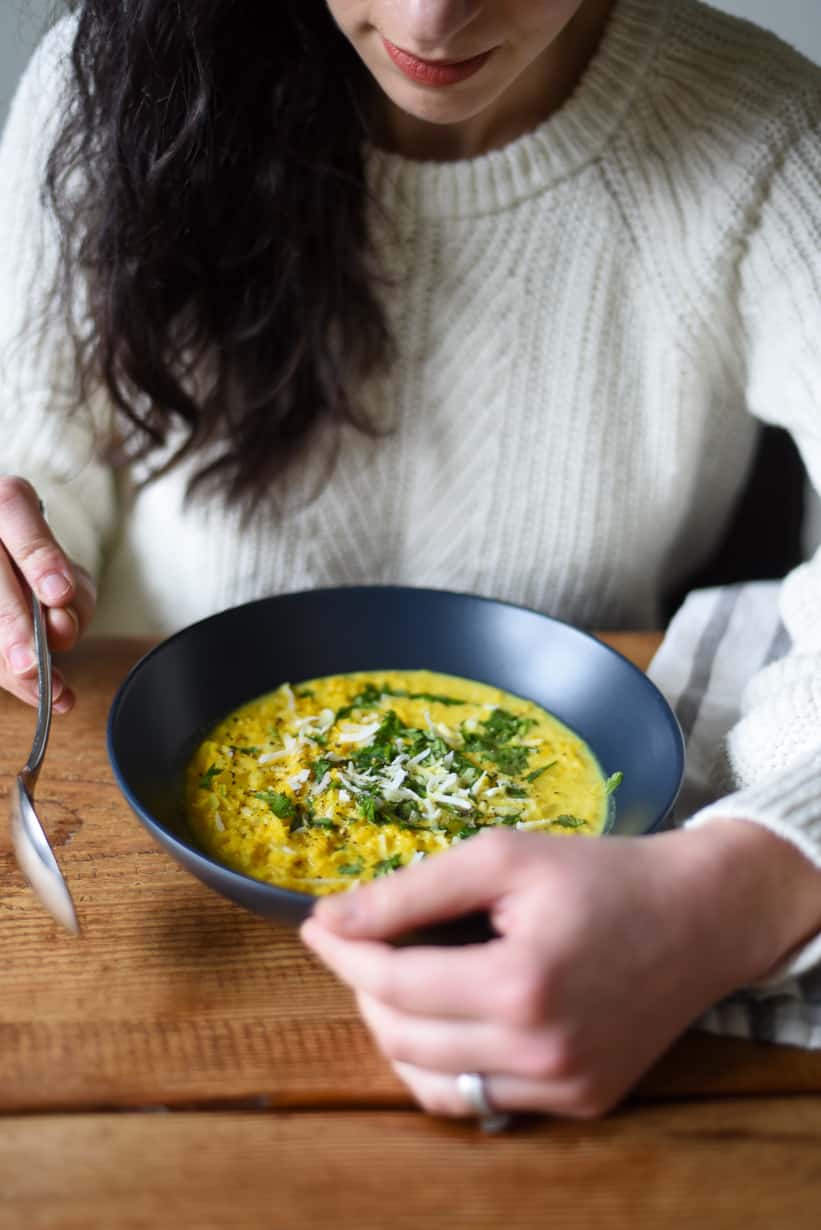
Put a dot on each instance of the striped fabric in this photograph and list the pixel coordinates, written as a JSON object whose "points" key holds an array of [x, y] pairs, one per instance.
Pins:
{"points": [[718, 640]]}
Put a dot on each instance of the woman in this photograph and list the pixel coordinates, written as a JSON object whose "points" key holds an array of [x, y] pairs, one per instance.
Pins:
{"points": [[479, 294]]}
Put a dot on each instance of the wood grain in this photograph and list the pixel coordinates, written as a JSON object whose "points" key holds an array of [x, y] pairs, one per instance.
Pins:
{"points": [[176, 997], [721, 1166]]}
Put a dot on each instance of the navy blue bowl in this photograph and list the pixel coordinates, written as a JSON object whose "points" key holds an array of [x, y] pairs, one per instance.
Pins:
{"points": [[179, 690]]}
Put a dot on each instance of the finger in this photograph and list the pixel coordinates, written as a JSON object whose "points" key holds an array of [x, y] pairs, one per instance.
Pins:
{"points": [[62, 697], [63, 626], [31, 544], [67, 624], [27, 690], [436, 1092], [85, 596], [16, 627], [439, 1094], [472, 875], [23, 689], [448, 1045], [18, 673], [448, 982]]}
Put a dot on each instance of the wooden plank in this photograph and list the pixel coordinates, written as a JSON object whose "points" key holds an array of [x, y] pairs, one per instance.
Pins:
{"points": [[174, 996], [719, 1165], [639, 647]]}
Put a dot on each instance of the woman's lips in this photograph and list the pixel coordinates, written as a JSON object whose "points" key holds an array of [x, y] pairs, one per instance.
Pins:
{"points": [[434, 72]]}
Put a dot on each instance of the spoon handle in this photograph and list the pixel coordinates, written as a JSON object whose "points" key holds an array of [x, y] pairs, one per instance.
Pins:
{"points": [[41, 733]]}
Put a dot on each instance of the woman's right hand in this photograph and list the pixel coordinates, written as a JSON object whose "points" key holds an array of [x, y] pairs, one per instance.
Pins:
{"points": [[29, 549]]}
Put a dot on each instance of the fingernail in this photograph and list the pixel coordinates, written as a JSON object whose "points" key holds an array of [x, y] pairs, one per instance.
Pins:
{"points": [[65, 702], [20, 659], [54, 587]]}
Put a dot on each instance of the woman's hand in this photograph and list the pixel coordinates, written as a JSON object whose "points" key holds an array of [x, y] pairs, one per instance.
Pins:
{"points": [[607, 950], [28, 547]]}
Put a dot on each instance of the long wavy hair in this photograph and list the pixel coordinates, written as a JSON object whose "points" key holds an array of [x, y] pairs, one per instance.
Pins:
{"points": [[209, 187]]}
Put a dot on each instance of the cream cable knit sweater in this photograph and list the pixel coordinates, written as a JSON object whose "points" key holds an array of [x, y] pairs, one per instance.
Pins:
{"points": [[590, 321]]}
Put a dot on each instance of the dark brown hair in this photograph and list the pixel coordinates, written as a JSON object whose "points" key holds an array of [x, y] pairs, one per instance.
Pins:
{"points": [[209, 185]]}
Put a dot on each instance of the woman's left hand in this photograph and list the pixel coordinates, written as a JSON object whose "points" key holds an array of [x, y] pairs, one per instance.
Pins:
{"points": [[606, 951]]}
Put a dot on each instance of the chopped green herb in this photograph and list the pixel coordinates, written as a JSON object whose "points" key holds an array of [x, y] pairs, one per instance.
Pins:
{"points": [[438, 747], [303, 692], [367, 806], [368, 698], [208, 777], [321, 767], [469, 830], [392, 726], [516, 792], [494, 742], [371, 695], [320, 822], [279, 804], [246, 751], [350, 869], [531, 777], [569, 822], [502, 726], [613, 782], [511, 760], [429, 696], [387, 865]]}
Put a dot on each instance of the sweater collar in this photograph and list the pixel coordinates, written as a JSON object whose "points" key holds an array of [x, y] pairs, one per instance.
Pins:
{"points": [[569, 139]]}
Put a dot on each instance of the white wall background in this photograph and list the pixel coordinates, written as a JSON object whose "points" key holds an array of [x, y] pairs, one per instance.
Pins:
{"points": [[797, 21], [21, 24]]}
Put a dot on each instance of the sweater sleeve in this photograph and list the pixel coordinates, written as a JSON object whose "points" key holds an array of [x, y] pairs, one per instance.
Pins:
{"points": [[774, 752], [43, 439]]}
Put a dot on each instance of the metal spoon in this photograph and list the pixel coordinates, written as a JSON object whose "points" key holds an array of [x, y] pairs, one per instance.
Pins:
{"points": [[34, 854]]}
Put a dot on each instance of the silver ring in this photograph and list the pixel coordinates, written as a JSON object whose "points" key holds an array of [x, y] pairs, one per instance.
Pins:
{"points": [[472, 1088]]}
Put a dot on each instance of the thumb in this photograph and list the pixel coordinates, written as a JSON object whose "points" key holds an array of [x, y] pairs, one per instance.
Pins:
{"points": [[469, 876]]}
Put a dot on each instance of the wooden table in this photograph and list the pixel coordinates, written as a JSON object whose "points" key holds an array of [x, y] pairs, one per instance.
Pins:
{"points": [[186, 1064]]}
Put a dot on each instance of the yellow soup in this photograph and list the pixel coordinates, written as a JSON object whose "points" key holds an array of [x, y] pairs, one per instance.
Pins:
{"points": [[319, 785]]}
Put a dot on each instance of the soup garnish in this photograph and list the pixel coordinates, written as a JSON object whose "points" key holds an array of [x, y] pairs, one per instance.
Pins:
{"points": [[326, 783]]}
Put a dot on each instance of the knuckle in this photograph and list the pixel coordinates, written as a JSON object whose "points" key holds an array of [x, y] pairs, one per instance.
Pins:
{"points": [[13, 621], [383, 985], [397, 1046], [25, 692], [547, 1058], [39, 555], [521, 997], [394, 1046]]}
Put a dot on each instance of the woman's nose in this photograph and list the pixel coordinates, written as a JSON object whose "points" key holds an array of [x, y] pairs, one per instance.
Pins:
{"points": [[430, 23]]}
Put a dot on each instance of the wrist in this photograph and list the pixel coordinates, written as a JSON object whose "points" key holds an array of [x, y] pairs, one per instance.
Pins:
{"points": [[758, 896]]}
